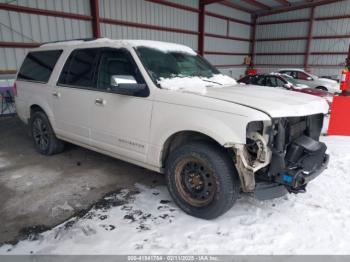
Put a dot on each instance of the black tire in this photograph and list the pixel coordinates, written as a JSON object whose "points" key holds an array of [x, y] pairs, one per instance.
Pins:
{"points": [[219, 171], [44, 138], [322, 88]]}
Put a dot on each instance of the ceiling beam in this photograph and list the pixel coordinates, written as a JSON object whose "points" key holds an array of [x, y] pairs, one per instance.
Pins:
{"points": [[297, 6], [283, 2], [236, 6], [258, 4], [208, 2]]}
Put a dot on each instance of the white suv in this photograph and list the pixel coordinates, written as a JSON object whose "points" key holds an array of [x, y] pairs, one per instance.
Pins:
{"points": [[163, 107]]}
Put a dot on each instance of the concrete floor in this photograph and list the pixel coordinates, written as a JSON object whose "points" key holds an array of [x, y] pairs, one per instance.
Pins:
{"points": [[43, 191]]}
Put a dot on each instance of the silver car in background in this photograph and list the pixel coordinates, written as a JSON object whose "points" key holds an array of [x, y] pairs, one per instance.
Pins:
{"points": [[311, 80]]}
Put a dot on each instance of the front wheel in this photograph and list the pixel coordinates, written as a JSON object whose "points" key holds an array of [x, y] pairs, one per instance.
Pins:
{"points": [[44, 138], [202, 179]]}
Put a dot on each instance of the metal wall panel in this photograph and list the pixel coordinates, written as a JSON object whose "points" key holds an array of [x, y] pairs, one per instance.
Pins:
{"points": [[282, 30], [235, 72], [125, 32], [334, 9], [296, 14], [21, 27], [215, 25], [226, 45], [225, 59], [281, 46], [327, 59], [330, 45], [280, 60], [190, 3], [332, 27], [239, 30], [218, 26], [320, 28], [11, 58], [227, 11], [148, 13], [69, 6]]}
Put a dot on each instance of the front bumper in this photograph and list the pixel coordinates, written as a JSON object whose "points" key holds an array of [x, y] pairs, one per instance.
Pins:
{"points": [[295, 180]]}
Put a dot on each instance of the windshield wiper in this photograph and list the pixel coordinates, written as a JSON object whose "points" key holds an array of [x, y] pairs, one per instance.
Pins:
{"points": [[205, 80]]}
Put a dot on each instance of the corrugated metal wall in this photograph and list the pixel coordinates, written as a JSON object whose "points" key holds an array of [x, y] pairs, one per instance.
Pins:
{"points": [[152, 14], [300, 29], [218, 26], [22, 27]]}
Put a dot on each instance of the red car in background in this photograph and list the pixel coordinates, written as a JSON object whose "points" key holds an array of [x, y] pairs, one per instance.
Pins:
{"points": [[286, 82]]}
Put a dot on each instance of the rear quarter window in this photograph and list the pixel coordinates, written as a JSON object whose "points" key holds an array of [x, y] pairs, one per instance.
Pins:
{"points": [[38, 66]]}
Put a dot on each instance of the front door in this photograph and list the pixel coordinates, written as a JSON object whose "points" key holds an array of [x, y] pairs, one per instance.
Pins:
{"points": [[120, 123]]}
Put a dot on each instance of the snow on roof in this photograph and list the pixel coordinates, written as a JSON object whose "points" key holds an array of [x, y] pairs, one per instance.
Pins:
{"points": [[162, 46], [292, 69]]}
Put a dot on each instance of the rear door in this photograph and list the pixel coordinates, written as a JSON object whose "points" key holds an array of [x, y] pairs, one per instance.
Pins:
{"points": [[74, 94]]}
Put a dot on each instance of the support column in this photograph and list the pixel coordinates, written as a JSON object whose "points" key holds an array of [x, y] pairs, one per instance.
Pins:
{"points": [[309, 38], [95, 13], [201, 33], [253, 41]]}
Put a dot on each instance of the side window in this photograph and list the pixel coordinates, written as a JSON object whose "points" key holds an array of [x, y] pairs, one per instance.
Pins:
{"points": [[80, 67], [119, 64], [302, 76], [271, 81], [260, 81], [253, 80], [286, 72], [280, 82], [38, 66]]}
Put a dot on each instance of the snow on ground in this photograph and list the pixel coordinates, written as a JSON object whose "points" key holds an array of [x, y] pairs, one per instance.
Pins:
{"points": [[148, 222]]}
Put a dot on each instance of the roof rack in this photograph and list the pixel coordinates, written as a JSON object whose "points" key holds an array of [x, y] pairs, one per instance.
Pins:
{"points": [[68, 40]]}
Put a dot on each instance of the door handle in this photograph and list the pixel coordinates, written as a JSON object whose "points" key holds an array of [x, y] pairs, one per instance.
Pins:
{"points": [[56, 94], [100, 101]]}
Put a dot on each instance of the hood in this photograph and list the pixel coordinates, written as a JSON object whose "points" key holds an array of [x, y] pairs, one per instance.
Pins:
{"points": [[327, 80], [273, 102], [315, 92]]}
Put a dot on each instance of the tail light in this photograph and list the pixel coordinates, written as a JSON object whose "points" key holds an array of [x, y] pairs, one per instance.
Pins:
{"points": [[15, 89]]}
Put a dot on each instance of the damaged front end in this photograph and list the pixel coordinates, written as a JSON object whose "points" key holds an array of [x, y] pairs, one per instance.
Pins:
{"points": [[286, 152]]}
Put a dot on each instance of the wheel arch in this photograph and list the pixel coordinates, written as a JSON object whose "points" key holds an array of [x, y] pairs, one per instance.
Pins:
{"points": [[180, 138], [44, 107], [322, 88]]}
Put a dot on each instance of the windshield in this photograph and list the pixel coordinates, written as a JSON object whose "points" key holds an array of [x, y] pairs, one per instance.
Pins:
{"points": [[176, 66], [291, 80], [312, 75]]}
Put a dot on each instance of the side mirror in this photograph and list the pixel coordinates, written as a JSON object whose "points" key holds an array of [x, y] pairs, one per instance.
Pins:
{"points": [[287, 86], [309, 78], [127, 85], [116, 80]]}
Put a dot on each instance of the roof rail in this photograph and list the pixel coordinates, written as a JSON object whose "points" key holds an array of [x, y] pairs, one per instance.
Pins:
{"points": [[68, 40]]}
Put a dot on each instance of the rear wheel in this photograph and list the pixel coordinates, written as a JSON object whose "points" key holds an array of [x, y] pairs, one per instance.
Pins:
{"points": [[202, 179], [322, 88], [44, 138]]}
